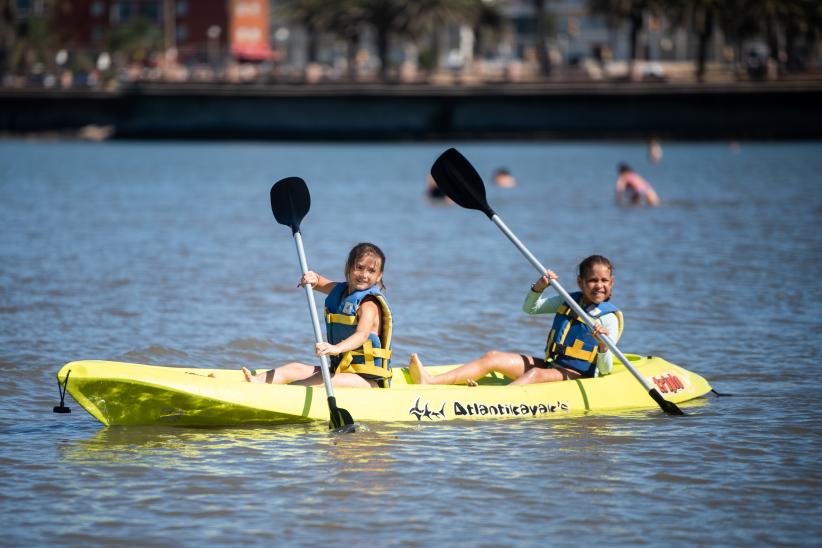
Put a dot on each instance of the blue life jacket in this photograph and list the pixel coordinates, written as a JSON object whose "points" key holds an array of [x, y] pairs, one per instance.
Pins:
{"points": [[373, 358], [571, 343]]}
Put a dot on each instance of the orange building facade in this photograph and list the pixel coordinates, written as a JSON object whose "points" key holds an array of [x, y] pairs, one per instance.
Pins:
{"points": [[197, 29]]}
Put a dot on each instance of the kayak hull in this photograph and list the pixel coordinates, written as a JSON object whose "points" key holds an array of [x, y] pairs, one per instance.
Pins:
{"points": [[118, 393]]}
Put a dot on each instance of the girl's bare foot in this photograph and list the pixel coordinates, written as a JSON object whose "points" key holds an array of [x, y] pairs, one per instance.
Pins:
{"points": [[418, 373], [249, 377]]}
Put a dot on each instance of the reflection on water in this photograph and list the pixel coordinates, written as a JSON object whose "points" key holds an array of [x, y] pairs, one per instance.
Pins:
{"points": [[170, 444], [167, 253]]}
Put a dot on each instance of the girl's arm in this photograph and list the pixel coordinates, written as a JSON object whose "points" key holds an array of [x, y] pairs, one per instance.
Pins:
{"points": [[609, 324], [321, 284], [536, 303], [369, 312], [651, 196], [620, 188]]}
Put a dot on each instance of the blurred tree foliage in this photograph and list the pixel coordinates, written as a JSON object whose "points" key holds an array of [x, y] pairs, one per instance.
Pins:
{"points": [[26, 43], [618, 12], [136, 39], [542, 29], [791, 28], [389, 20]]}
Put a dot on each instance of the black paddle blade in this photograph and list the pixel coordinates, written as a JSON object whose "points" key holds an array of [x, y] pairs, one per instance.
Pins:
{"points": [[339, 417], [458, 180], [668, 406], [290, 201]]}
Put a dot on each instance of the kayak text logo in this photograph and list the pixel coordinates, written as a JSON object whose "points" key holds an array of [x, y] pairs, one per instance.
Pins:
{"points": [[427, 413], [512, 410], [669, 383]]}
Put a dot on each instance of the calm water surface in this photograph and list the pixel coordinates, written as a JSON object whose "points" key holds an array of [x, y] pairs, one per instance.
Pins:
{"points": [[168, 254]]}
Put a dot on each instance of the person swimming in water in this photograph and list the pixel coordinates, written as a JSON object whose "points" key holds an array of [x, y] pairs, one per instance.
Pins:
{"points": [[433, 192], [654, 151], [504, 179], [635, 189]]}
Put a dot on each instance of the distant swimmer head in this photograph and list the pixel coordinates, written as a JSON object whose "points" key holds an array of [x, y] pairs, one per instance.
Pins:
{"points": [[623, 168], [504, 178]]}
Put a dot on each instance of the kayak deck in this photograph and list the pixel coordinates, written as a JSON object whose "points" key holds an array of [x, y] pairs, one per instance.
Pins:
{"points": [[118, 393]]}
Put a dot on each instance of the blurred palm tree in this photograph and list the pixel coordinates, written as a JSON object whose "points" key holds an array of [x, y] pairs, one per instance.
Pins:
{"points": [[634, 11], [794, 23], [488, 23], [345, 19], [699, 17], [399, 19], [134, 40], [8, 34], [390, 20], [791, 27], [27, 42], [387, 17], [431, 18], [314, 16], [541, 20]]}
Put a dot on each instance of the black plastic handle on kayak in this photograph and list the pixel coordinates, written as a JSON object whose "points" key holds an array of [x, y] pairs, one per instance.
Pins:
{"points": [[290, 202], [458, 180]]}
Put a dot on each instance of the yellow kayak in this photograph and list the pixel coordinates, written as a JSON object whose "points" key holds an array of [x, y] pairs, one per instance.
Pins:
{"points": [[118, 393]]}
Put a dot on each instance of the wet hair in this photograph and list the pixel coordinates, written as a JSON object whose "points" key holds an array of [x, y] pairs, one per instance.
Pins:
{"points": [[587, 265], [361, 250], [622, 168]]}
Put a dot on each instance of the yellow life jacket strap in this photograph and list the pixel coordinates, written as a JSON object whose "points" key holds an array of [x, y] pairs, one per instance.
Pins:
{"points": [[383, 353], [621, 321], [340, 318], [575, 351], [386, 325], [363, 368], [368, 353], [345, 360]]}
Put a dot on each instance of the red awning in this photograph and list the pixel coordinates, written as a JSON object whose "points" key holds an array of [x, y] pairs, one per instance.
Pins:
{"points": [[254, 52]]}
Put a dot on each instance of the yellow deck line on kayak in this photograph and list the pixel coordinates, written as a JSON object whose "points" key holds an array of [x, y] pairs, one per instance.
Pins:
{"points": [[118, 393]]}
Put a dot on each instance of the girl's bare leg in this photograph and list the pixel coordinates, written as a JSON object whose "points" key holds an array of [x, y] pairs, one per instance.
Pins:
{"points": [[537, 375], [509, 364], [290, 372], [347, 380]]}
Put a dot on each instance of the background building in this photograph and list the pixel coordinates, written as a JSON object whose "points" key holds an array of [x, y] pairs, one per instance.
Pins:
{"points": [[108, 42]]}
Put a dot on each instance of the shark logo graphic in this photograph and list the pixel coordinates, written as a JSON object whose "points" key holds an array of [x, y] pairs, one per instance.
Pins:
{"points": [[427, 413]]}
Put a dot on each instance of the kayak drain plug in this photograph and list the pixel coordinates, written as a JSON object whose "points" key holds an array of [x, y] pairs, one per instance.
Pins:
{"points": [[62, 407]]}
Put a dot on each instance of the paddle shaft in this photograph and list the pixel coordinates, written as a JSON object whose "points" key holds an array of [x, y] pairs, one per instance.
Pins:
{"points": [[574, 306], [318, 334]]}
